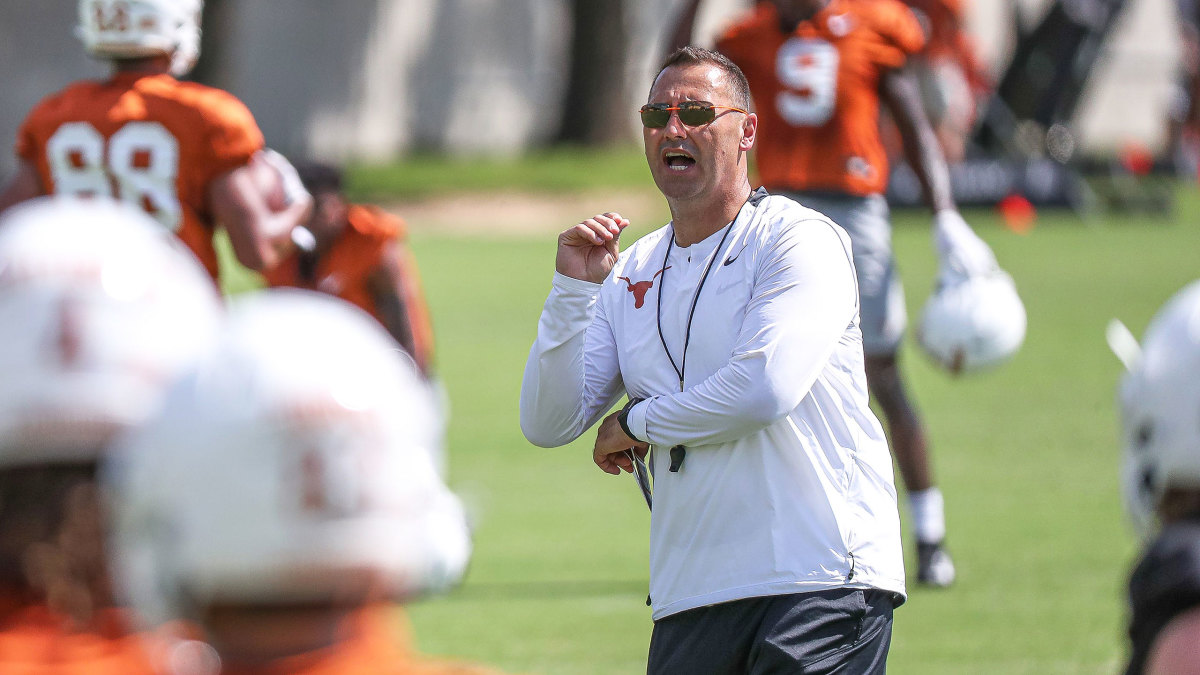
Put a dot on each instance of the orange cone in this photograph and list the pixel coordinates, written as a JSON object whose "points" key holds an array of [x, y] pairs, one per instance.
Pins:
{"points": [[1019, 215]]}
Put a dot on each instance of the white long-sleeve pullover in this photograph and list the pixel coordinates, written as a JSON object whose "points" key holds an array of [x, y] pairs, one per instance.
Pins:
{"points": [[787, 482]]}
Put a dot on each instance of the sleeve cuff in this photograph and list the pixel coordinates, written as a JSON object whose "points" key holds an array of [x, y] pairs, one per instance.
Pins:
{"points": [[572, 284], [637, 421]]}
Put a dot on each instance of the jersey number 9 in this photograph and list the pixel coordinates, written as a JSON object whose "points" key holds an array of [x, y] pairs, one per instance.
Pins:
{"points": [[808, 70]]}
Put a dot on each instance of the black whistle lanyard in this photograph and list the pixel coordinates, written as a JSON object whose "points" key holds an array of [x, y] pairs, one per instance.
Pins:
{"points": [[679, 452]]}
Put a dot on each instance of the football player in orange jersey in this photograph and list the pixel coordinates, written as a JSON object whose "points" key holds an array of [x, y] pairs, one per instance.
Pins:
{"points": [[818, 71], [179, 150], [283, 510], [361, 257], [100, 307]]}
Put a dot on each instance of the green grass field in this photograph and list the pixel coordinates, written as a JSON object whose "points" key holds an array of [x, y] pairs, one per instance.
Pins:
{"points": [[1026, 455]]}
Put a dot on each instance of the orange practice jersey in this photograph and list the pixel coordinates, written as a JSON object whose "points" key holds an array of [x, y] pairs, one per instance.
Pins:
{"points": [[344, 270], [372, 645], [816, 91], [34, 641], [150, 140]]}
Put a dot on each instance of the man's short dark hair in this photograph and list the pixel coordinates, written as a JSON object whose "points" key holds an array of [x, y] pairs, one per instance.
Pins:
{"points": [[692, 55], [318, 177]]}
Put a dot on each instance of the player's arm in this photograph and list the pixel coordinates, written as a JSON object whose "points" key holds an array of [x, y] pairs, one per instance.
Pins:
{"points": [[386, 284], [261, 237], [959, 248], [903, 99], [24, 185]]}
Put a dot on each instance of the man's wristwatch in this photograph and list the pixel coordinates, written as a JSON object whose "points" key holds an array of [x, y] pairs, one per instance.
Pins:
{"points": [[623, 418]]}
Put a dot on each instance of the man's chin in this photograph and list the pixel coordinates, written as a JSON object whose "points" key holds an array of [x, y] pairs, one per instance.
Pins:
{"points": [[678, 187]]}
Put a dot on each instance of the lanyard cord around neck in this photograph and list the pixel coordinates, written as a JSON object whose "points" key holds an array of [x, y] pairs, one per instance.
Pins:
{"points": [[687, 333]]}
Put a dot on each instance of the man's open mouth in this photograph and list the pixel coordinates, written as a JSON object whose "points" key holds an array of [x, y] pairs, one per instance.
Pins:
{"points": [[678, 160]]}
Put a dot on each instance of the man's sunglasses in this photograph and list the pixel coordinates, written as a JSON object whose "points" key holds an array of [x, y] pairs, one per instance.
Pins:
{"points": [[691, 113]]}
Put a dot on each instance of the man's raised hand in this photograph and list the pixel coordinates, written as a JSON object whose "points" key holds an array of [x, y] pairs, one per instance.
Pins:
{"points": [[589, 250]]}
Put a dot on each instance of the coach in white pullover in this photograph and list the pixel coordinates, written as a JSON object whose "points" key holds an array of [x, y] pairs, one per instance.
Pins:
{"points": [[774, 537]]}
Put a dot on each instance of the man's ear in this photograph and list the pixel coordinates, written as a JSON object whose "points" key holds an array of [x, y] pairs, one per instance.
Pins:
{"points": [[749, 132]]}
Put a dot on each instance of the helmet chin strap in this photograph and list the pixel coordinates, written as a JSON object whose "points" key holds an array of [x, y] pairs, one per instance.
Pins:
{"points": [[183, 59]]}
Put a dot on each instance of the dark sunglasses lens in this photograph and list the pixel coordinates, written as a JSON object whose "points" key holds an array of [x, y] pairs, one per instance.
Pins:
{"points": [[696, 115], [655, 118]]}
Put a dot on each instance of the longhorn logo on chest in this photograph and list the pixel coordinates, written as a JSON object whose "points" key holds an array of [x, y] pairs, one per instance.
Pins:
{"points": [[640, 288]]}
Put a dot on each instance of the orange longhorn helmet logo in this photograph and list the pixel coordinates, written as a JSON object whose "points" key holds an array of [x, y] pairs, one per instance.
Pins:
{"points": [[640, 288]]}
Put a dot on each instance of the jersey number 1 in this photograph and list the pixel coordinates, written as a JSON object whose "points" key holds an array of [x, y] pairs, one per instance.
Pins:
{"points": [[138, 165]]}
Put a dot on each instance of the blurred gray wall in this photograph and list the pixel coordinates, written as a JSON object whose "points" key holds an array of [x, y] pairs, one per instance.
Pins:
{"points": [[377, 77], [38, 55], [372, 79]]}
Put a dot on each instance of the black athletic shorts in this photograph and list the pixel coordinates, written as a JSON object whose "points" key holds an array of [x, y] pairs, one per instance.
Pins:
{"points": [[836, 631]]}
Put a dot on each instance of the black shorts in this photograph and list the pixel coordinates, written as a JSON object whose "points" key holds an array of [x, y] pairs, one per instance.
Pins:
{"points": [[836, 631]]}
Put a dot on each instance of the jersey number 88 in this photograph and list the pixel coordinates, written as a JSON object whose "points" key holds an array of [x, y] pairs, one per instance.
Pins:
{"points": [[138, 165]]}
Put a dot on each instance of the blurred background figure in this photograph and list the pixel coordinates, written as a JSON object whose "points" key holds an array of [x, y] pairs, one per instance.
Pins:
{"points": [[286, 493], [179, 150], [952, 78], [1160, 421], [99, 306], [1184, 121], [361, 256]]}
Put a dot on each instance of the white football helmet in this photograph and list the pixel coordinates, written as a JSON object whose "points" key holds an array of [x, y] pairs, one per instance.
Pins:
{"points": [[294, 464], [99, 307], [972, 322], [134, 28], [1160, 409]]}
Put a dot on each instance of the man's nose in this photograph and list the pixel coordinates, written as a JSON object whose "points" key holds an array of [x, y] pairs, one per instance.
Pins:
{"points": [[675, 127]]}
